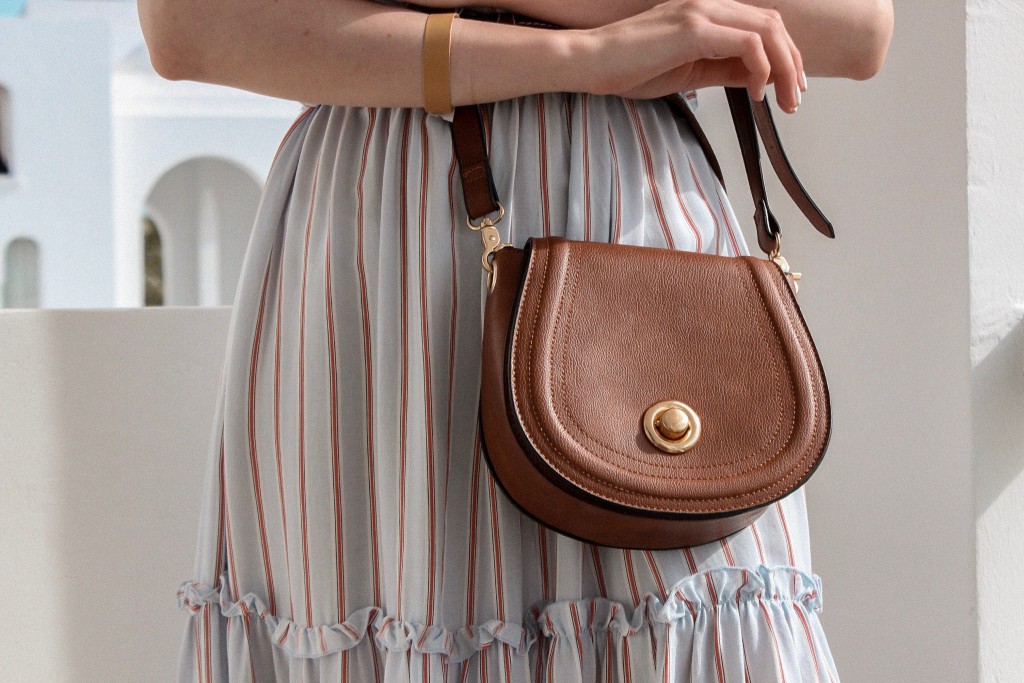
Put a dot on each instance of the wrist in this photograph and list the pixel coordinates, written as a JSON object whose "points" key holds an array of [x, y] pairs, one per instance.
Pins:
{"points": [[493, 61]]}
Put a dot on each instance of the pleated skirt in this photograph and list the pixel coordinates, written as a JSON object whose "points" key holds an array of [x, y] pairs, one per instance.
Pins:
{"points": [[350, 529]]}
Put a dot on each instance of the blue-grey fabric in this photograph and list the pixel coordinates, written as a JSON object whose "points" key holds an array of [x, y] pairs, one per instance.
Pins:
{"points": [[351, 530]]}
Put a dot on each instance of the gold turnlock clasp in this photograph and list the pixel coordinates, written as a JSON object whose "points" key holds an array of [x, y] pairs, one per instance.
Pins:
{"points": [[672, 426], [491, 243], [780, 260]]}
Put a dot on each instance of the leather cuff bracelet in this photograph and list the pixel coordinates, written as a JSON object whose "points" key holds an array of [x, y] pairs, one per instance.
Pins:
{"points": [[437, 87]]}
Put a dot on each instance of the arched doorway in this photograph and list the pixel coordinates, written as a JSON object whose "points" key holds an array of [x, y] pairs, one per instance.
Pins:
{"points": [[21, 273], [202, 211]]}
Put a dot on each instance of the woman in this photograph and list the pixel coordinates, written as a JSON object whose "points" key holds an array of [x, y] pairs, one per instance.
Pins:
{"points": [[350, 531]]}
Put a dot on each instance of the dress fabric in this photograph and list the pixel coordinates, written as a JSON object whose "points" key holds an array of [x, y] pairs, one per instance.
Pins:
{"points": [[350, 528]]}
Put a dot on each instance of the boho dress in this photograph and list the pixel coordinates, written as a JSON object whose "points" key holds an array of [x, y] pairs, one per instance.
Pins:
{"points": [[351, 529]]}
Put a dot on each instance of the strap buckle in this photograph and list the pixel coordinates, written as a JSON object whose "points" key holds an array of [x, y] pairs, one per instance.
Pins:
{"points": [[491, 243]]}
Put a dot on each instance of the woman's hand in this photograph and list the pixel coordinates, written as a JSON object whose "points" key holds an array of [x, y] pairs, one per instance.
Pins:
{"points": [[687, 44]]}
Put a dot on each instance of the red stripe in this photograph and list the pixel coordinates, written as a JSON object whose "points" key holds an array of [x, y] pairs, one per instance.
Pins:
{"points": [[599, 571], [638, 126], [789, 544], [576, 628], [542, 539], [775, 640], [199, 650], [253, 459], [277, 420], [586, 165], [335, 428], [627, 556], [682, 205], [727, 550], [499, 585], [551, 659], [689, 560], [302, 401], [425, 331], [718, 649], [627, 670], [471, 570], [235, 589], [542, 130], [757, 540], [608, 649], [452, 336], [618, 187], [284, 138], [209, 649], [700, 191], [368, 366], [657, 575], [810, 641], [403, 226], [568, 114], [728, 223]]}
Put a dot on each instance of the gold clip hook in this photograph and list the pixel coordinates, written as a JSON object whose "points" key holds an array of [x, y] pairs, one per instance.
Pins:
{"points": [[491, 243], [783, 264]]}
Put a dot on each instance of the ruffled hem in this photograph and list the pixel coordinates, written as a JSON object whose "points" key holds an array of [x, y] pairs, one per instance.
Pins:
{"points": [[687, 605]]}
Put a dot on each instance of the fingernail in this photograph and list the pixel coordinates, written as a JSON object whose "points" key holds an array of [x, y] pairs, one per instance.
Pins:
{"points": [[803, 80], [799, 99]]}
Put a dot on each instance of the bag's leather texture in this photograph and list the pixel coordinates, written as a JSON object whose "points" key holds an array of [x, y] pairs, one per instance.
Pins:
{"points": [[575, 352], [581, 339]]}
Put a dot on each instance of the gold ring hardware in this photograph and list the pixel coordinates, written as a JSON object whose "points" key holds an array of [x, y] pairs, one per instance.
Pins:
{"points": [[780, 260], [492, 243], [672, 426]]}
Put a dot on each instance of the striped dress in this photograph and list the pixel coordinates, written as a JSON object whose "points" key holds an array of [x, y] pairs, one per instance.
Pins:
{"points": [[351, 530]]}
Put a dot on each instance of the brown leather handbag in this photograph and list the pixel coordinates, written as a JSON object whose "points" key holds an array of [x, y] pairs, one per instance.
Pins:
{"points": [[641, 397]]}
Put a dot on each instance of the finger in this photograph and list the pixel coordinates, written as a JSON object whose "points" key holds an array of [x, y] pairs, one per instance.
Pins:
{"points": [[704, 73], [778, 46], [725, 42]]}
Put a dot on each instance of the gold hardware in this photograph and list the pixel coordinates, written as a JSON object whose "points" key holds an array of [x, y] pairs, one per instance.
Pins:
{"points": [[492, 243], [672, 426], [783, 264]]}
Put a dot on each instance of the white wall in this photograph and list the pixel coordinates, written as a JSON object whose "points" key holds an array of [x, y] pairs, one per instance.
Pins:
{"points": [[105, 421], [58, 82], [995, 70], [891, 507]]}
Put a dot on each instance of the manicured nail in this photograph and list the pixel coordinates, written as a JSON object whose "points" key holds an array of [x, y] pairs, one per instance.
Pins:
{"points": [[803, 80], [799, 99]]}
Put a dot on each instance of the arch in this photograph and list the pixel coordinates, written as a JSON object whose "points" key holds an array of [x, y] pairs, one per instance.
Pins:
{"points": [[203, 210], [152, 256], [21, 273]]}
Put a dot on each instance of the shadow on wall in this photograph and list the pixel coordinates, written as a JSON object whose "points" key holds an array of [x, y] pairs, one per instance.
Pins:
{"points": [[998, 407], [133, 429]]}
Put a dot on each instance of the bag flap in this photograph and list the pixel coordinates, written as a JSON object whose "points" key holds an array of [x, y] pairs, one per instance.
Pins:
{"points": [[602, 332]]}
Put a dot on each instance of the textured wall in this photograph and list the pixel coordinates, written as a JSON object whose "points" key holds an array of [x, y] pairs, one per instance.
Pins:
{"points": [[888, 302], [995, 76]]}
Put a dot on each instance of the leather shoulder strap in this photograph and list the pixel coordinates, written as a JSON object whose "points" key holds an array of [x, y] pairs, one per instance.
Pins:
{"points": [[749, 119]]}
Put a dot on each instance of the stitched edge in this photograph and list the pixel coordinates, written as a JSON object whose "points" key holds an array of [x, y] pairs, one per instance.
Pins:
{"points": [[781, 484]]}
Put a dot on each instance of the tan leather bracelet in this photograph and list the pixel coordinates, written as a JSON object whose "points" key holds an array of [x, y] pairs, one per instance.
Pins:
{"points": [[437, 43]]}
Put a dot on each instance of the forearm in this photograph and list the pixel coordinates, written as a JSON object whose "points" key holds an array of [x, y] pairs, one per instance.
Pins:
{"points": [[840, 38], [844, 38], [348, 52]]}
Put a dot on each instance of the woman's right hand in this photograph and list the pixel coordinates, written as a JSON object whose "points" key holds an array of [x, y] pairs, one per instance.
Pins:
{"points": [[682, 45]]}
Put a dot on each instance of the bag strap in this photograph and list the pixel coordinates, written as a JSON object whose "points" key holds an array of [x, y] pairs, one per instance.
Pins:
{"points": [[749, 118]]}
